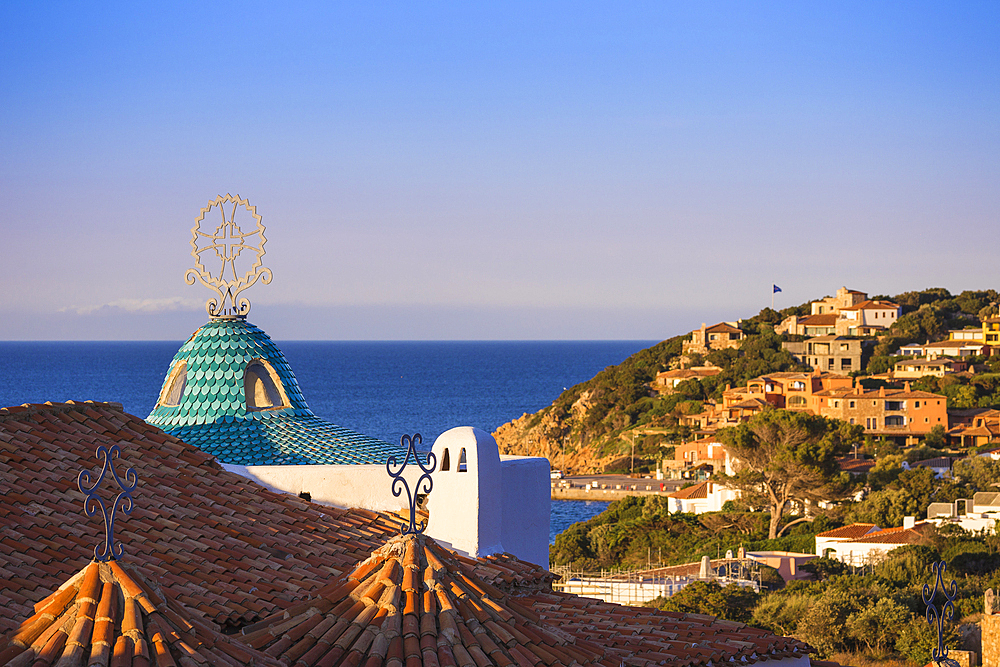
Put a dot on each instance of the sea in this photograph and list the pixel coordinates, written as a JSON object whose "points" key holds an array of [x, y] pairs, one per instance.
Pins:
{"points": [[382, 388]]}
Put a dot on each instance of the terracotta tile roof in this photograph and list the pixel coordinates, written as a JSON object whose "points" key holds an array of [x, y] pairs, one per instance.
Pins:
{"points": [[108, 611], [915, 535], [872, 305], [214, 540], [822, 320], [212, 413], [750, 403], [938, 462], [644, 636], [699, 490], [851, 532], [722, 327], [235, 552], [856, 466], [412, 602]]}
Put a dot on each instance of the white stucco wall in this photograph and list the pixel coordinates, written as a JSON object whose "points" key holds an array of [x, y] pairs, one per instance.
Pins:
{"points": [[526, 503], [493, 506], [366, 486]]}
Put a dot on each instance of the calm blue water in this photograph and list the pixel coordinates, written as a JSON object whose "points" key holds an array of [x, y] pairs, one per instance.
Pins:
{"points": [[565, 513], [385, 389]]}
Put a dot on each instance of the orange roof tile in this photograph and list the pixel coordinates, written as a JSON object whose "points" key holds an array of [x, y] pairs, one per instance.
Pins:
{"points": [[109, 612], [872, 305], [645, 636], [416, 603], [915, 535], [213, 539], [822, 320], [236, 552], [699, 490], [851, 532]]}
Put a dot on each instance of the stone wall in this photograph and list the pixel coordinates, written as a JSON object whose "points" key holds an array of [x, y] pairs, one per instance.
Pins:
{"points": [[991, 640]]}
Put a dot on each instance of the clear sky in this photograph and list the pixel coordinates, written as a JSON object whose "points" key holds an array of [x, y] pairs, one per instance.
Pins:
{"points": [[536, 170]]}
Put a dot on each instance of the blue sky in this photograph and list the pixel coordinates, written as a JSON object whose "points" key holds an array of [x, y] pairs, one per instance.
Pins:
{"points": [[464, 171]]}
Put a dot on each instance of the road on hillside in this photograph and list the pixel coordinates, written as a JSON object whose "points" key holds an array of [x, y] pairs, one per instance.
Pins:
{"points": [[623, 481]]}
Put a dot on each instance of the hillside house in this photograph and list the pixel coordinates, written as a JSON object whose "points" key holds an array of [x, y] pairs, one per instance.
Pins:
{"points": [[991, 331], [865, 543], [940, 466], [949, 348], [706, 496], [834, 354], [809, 325], [845, 298], [975, 427], [911, 369], [706, 454], [870, 315], [849, 313], [719, 336], [795, 391], [901, 414], [666, 381]]}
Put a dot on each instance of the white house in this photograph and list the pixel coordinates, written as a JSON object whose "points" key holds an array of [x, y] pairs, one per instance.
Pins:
{"points": [[873, 544], [707, 496]]}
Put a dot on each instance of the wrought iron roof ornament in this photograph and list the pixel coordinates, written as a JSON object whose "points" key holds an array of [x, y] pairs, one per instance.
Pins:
{"points": [[937, 618], [399, 483], [108, 550], [228, 240]]}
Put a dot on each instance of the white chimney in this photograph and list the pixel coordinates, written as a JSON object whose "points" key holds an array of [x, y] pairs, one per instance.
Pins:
{"points": [[466, 503]]}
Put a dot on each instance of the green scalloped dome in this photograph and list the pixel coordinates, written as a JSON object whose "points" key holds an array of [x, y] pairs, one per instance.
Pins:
{"points": [[204, 403]]}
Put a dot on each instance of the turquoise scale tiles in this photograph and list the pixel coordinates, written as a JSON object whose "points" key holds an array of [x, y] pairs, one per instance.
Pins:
{"points": [[212, 414]]}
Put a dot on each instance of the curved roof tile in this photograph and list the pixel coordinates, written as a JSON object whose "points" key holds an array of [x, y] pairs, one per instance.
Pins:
{"points": [[415, 603], [109, 612]]}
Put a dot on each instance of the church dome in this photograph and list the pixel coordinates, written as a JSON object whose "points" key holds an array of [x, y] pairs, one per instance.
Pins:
{"points": [[230, 392]]}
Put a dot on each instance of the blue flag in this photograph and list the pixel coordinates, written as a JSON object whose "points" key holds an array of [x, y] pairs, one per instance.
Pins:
{"points": [[776, 289]]}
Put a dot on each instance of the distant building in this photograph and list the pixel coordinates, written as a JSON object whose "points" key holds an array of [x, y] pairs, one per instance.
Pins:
{"points": [[849, 313], [947, 348], [918, 368], [835, 354], [810, 325], [716, 337], [855, 466], [940, 466], [707, 496], [865, 543], [868, 314], [707, 455], [845, 298], [666, 381], [975, 427]]}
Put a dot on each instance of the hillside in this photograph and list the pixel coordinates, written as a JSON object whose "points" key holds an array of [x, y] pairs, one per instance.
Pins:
{"points": [[590, 427]]}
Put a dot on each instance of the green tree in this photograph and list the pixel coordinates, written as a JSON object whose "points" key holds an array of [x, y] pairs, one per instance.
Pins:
{"points": [[877, 625], [936, 438], [824, 625], [917, 639], [732, 603], [785, 458], [978, 472]]}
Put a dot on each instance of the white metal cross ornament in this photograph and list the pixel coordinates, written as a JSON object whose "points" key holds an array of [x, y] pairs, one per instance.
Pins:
{"points": [[227, 240]]}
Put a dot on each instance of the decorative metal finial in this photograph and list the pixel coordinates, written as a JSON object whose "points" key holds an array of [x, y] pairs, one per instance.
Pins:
{"points": [[108, 550], [399, 483], [228, 241], [940, 654]]}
